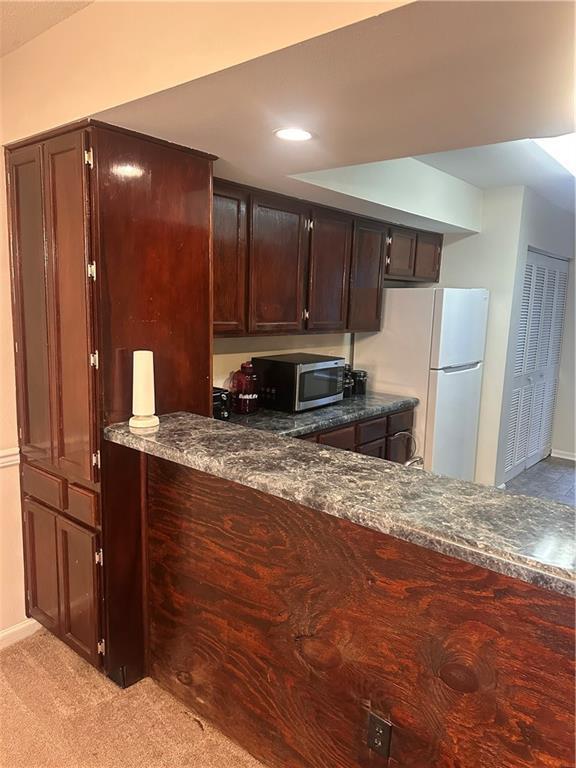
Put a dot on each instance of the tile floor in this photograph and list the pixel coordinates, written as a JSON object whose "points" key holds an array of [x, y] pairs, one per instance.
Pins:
{"points": [[551, 478]]}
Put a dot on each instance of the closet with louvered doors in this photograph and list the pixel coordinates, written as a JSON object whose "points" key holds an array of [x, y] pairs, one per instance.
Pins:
{"points": [[537, 345]]}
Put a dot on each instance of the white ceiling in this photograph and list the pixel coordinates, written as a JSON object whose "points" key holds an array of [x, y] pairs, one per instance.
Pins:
{"points": [[428, 77], [22, 20], [512, 163]]}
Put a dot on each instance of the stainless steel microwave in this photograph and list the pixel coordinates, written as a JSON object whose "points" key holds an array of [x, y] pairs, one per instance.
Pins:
{"points": [[299, 381]]}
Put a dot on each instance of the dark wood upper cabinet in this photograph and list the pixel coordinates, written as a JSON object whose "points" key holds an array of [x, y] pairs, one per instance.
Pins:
{"points": [[79, 588], [69, 306], [41, 556], [367, 275], [428, 249], [401, 256], [329, 270], [278, 263], [33, 389], [229, 249]]}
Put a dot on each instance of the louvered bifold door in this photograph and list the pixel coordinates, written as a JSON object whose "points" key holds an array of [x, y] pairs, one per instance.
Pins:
{"points": [[537, 349]]}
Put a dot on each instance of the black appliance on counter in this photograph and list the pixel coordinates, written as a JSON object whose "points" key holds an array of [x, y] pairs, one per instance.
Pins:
{"points": [[299, 381], [221, 402], [360, 381]]}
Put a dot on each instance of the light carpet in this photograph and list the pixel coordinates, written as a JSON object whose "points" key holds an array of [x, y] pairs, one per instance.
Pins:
{"points": [[56, 711]]}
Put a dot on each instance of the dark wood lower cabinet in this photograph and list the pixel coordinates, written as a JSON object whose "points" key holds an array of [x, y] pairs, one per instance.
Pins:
{"points": [[315, 621], [41, 551], [384, 437], [79, 589]]}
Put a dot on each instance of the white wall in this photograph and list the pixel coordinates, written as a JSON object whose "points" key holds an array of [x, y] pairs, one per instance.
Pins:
{"points": [[408, 186], [230, 353], [489, 260]]}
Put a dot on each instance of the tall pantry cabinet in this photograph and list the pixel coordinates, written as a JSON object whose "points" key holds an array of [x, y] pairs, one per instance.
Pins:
{"points": [[110, 235]]}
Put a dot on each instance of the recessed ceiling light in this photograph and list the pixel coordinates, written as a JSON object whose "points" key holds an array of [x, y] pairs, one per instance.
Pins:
{"points": [[562, 149], [293, 134]]}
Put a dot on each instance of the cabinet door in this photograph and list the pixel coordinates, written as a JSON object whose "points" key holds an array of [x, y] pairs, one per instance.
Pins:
{"points": [[40, 539], [79, 589], [428, 247], [329, 272], [399, 447], [366, 276], [278, 261], [401, 253], [229, 258], [66, 196], [30, 303]]}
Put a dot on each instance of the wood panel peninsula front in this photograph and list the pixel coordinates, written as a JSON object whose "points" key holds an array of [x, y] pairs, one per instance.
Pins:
{"points": [[294, 591]]}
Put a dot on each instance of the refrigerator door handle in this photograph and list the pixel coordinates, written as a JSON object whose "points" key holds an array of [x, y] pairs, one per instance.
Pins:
{"points": [[458, 368]]}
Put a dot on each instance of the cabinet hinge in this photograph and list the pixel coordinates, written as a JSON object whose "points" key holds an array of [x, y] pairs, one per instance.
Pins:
{"points": [[89, 157], [94, 359], [16, 347], [388, 240], [96, 459], [91, 270], [310, 224], [99, 557], [20, 432], [102, 647], [305, 315]]}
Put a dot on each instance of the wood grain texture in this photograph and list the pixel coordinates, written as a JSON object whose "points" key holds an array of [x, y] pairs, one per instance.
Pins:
{"points": [[152, 210], [367, 275], [230, 257], [284, 625]]}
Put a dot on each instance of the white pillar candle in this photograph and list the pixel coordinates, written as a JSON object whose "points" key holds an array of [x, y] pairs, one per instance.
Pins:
{"points": [[143, 401]]}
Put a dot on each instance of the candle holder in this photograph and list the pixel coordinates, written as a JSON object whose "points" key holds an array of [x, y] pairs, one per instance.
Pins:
{"points": [[143, 398]]}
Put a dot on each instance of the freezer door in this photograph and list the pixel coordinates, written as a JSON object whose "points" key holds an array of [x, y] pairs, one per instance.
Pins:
{"points": [[452, 421], [459, 326]]}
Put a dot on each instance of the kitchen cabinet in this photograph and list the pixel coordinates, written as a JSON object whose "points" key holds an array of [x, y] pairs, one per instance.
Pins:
{"points": [[278, 264], [427, 262], [401, 256], [283, 265], [384, 437], [329, 270], [78, 573], [367, 275], [110, 248], [40, 545], [230, 257]]}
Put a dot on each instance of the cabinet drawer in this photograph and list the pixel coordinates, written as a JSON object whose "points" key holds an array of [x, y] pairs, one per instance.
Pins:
{"points": [[397, 422], [339, 438], [377, 448], [372, 430], [43, 486], [83, 505], [399, 447]]}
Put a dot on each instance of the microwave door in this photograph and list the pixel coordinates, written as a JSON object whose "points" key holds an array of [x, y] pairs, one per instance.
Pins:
{"points": [[318, 385]]}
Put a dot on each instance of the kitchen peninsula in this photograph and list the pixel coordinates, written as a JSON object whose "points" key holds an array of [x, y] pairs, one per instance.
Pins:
{"points": [[294, 588]]}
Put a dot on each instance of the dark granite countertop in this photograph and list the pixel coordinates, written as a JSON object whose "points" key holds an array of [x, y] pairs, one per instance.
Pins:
{"points": [[525, 538], [330, 416]]}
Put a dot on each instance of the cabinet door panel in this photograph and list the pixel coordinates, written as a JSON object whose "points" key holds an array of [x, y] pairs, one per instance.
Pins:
{"points": [[401, 253], [367, 275], [399, 447], [278, 256], [329, 273], [229, 258], [66, 200], [30, 303], [78, 589], [41, 564], [344, 438], [428, 247]]}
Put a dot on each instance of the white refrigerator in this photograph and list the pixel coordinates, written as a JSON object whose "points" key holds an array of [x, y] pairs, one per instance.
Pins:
{"points": [[431, 346]]}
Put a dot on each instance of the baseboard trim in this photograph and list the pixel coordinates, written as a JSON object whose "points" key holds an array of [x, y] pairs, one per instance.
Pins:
{"points": [[9, 457], [564, 455], [18, 632]]}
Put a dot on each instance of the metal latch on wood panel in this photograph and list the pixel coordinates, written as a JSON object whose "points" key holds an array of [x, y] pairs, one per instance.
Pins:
{"points": [[94, 359], [102, 647], [91, 270], [89, 157], [99, 557], [96, 459]]}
